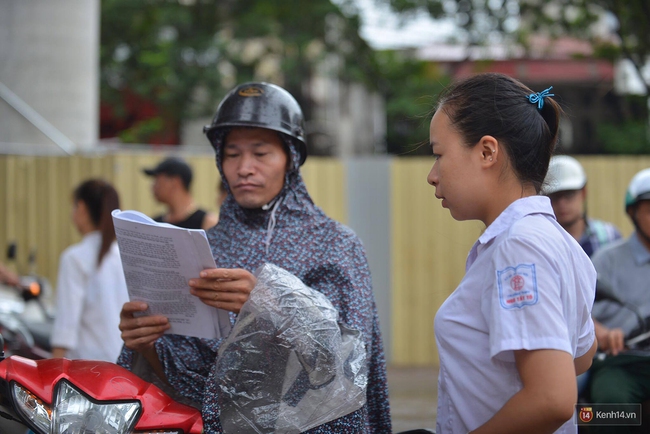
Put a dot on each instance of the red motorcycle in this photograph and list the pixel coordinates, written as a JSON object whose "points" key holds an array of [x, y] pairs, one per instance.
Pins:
{"points": [[60, 396]]}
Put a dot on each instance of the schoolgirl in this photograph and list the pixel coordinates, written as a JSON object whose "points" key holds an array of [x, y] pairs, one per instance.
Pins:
{"points": [[517, 330]]}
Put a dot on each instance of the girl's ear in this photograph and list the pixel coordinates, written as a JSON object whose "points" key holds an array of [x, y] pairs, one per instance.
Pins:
{"points": [[489, 148]]}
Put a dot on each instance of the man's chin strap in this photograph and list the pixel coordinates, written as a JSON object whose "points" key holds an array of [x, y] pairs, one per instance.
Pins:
{"points": [[275, 203]]}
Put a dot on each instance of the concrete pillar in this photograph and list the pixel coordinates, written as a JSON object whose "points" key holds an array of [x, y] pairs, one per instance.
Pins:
{"points": [[369, 215], [50, 61]]}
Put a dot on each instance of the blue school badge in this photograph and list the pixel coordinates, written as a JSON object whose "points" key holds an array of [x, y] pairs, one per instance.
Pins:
{"points": [[517, 286]]}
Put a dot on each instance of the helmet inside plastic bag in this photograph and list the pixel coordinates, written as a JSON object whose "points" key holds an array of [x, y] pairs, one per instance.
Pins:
{"points": [[288, 365]]}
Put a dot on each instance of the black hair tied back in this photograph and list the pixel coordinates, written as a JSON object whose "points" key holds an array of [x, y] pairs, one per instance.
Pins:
{"points": [[525, 122]]}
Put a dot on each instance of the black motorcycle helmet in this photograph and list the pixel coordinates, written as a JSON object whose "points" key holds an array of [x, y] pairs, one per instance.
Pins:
{"points": [[261, 105]]}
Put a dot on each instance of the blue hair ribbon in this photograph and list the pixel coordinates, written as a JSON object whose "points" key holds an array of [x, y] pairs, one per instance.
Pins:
{"points": [[538, 98]]}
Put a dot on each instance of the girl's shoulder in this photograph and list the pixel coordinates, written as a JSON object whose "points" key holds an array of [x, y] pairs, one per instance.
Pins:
{"points": [[84, 253], [541, 233], [535, 226]]}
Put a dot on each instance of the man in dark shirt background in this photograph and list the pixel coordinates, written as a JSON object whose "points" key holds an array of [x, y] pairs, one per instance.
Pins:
{"points": [[171, 186]]}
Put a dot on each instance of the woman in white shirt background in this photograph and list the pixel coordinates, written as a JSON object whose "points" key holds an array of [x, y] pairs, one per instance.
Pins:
{"points": [[517, 329], [90, 288]]}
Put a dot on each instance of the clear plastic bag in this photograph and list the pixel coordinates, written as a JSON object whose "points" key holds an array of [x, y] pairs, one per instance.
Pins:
{"points": [[288, 365]]}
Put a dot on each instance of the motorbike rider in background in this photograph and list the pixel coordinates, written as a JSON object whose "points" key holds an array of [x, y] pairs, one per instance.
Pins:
{"points": [[566, 186], [624, 268]]}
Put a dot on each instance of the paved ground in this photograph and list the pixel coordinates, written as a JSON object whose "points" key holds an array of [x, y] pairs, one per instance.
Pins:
{"points": [[413, 397]]}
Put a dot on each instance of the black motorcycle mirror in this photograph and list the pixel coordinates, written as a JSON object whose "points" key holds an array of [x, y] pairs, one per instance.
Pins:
{"points": [[11, 251]]}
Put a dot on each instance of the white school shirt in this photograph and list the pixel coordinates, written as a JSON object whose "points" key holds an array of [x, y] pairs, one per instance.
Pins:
{"points": [[528, 285], [89, 300]]}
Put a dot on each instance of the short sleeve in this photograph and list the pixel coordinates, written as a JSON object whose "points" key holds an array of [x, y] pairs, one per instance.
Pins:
{"points": [[587, 338], [523, 305]]}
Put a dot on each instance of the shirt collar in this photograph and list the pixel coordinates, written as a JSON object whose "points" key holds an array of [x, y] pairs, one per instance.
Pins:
{"points": [[515, 211], [639, 251]]}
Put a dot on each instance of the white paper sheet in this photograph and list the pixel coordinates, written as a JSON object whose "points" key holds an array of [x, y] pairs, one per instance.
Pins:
{"points": [[158, 260]]}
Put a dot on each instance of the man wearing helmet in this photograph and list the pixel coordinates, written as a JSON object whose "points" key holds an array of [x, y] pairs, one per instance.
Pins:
{"points": [[624, 269], [566, 186], [268, 217]]}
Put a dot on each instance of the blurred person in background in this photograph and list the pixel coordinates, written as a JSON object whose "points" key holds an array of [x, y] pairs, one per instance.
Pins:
{"points": [[171, 187], [91, 288], [268, 216], [566, 186], [7, 276], [624, 270]]}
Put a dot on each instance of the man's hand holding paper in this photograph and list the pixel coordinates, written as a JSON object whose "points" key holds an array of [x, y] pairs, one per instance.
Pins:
{"points": [[140, 332], [223, 288], [158, 261]]}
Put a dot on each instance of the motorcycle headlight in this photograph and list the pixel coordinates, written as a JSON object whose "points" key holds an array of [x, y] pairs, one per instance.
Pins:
{"points": [[75, 413], [33, 408]]}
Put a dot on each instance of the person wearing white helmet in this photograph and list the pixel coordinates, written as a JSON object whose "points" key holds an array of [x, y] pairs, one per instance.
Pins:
{"points": [[566, 186], [623, 269]]}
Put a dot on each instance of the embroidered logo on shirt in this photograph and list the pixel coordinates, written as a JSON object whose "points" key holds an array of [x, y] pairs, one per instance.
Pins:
{"points": [[517, 286]]}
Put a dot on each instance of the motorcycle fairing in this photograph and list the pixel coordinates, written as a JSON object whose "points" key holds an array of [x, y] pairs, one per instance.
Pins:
{"points": [[103, 382]]}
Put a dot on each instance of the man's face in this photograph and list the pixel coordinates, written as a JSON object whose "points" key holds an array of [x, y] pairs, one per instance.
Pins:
{"points": [[162, 187], [568, 205], [254, 163], [641, 213]]}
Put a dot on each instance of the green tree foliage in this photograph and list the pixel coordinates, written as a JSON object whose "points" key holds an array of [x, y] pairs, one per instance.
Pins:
{"points": [[181, 56], [577, 17], [630, 134], [411, 88], [630, 137], [482, 20]]}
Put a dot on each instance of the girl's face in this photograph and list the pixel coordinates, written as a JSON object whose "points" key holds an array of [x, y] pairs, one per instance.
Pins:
{"points": [[81, 217], [456, 173]]}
